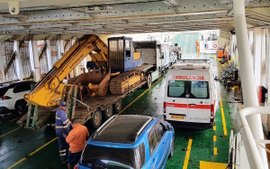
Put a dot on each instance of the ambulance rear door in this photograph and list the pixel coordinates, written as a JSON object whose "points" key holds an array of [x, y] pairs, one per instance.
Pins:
{"points": [[199, 101], [175, 103]]}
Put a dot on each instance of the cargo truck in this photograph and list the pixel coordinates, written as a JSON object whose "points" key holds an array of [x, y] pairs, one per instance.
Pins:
{"points": [[114, 72]]}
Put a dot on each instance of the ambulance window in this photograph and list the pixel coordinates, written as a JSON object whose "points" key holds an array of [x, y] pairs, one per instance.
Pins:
{"points": [[200, 89], [176, 88]]}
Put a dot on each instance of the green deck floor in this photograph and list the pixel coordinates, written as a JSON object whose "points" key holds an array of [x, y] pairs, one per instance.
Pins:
{"points": [[30, 147], [203, 145]]}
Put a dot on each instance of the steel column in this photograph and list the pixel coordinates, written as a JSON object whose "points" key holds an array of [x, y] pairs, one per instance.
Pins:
{"points": [[263, 58], [48, 55], [17, 61], [257, 55], [248, 82], [267, 55], [34, 62], [60, 48]]}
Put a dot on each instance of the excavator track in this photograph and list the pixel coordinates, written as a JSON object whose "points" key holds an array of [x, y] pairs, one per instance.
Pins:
{"points": [[126, 82]]}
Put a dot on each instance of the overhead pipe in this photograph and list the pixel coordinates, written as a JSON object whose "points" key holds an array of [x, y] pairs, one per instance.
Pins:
{"points": [[249, 89]]}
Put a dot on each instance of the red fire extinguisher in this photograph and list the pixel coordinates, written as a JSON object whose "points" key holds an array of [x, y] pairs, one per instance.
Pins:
{"points": [[262, 95]]}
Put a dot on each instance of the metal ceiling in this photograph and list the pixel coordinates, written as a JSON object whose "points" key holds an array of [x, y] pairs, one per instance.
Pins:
{"points": [[52, 17]]}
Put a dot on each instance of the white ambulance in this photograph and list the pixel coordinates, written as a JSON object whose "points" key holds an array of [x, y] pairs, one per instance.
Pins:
{"points": [[190, 94]]}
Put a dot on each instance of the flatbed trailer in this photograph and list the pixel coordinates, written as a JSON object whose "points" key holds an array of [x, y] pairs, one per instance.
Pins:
{"points": [[94, 109], [99, 109], [128, 66]]}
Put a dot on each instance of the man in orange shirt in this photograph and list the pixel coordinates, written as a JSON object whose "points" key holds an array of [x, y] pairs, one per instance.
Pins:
{"points": [[76, 139]]}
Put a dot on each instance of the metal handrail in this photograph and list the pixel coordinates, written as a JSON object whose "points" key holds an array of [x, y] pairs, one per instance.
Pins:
{"points": [[252, 145], [84, 104]]}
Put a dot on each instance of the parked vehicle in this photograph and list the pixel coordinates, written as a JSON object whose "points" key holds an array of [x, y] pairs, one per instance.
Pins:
{"points": [[230, 77], [154, 53], [129, 142], [190, 94], [12, 97]]}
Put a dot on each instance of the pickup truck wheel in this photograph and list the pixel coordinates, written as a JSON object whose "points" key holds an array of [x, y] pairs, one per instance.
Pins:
{"points": [[108, 112], [97, 119], [118, 106], [21, 106], [4, 111]]}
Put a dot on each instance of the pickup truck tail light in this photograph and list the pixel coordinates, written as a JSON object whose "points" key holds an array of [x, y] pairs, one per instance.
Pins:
{"points": [[6, 98], [76, 166]]}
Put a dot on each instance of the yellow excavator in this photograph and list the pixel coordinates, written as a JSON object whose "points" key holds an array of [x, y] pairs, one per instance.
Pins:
{"points": [[49, 89], [114, 72]]}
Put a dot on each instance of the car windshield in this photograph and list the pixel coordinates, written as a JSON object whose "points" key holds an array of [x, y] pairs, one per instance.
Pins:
{"points": [[188, 89], [106, 157]]}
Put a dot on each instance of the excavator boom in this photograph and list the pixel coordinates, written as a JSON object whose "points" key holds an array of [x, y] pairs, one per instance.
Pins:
{"points": [[49, 89]]}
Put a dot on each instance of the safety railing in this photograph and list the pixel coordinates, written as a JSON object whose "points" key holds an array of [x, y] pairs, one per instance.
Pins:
{"points": [[252, 145]]}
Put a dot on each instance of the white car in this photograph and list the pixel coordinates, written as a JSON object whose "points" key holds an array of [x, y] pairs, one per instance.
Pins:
{"points": [[12, 97]]}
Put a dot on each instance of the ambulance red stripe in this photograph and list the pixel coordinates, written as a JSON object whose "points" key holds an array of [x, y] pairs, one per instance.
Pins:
{"points": [[190, 106]]}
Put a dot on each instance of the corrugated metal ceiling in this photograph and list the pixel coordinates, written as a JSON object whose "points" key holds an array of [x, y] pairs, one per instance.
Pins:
{"points": [[52, 17]]}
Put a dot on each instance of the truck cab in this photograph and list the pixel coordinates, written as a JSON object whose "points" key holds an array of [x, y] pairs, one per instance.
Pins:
{"points": [[122, 56]]}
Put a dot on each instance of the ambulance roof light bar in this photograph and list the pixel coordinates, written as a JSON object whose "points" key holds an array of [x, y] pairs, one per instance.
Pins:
{"points": [[195, 61], [191, 66]]}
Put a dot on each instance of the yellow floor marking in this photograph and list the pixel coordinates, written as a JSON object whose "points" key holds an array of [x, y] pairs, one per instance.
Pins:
{"points": [[214, 128], [220, 102], [223, 119], [32, 153], [215, 151], [214, 138], [139, 97], [186, 161], [9, 132], [212, 165]]}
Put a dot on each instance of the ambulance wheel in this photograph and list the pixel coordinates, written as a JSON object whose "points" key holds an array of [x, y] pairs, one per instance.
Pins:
{"points": [[97, 119], [108, 112], [212, 122], [149, 81], [118, 106]]}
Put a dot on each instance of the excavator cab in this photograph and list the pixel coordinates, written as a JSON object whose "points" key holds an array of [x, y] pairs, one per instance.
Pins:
{"points": [[122, 56]]}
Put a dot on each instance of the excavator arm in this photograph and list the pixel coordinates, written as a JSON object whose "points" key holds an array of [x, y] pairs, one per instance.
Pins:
{"points": [[49, 89]]}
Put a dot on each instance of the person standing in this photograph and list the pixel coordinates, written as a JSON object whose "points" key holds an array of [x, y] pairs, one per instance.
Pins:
{"points": [[198, 47], [62, 128], [77, 140], [178, 51]]}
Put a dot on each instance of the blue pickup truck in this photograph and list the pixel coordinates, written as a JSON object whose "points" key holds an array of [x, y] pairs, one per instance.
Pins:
{"points": [[129, 142]]}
